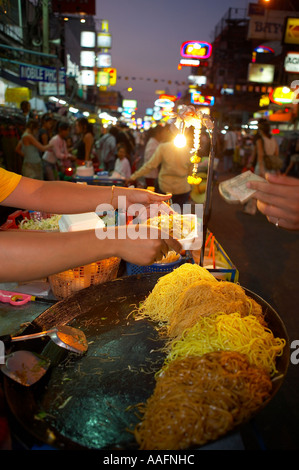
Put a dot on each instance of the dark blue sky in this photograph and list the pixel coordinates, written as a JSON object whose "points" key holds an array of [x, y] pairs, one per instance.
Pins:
{"points": [[146, 40]]}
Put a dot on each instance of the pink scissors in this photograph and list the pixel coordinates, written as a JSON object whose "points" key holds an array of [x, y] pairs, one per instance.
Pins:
{"points": [[15, 298]]}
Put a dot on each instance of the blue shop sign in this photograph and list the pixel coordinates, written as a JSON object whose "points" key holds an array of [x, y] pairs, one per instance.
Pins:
{"points": [[41, 74]]}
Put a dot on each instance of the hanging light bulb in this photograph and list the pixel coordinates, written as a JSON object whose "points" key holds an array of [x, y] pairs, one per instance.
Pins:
{"points": [[180, 139]]}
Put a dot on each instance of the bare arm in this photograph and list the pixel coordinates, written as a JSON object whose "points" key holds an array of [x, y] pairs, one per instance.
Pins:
{"points": [[260, 157], [33, 255], [151, 164], [29, 139], [88, 145], [19, 149], [62, 197]]}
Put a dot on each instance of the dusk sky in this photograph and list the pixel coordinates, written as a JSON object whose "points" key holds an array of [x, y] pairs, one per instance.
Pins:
{"points": [[146, 40]]}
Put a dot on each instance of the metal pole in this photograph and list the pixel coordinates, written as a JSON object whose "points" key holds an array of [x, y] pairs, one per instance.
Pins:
{"points": [[209, 188], [45, 26]]}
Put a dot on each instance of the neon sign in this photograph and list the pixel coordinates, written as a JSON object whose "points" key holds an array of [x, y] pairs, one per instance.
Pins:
{"points": [[196, 50], [198, 98], [264, 50], [282, 95]]}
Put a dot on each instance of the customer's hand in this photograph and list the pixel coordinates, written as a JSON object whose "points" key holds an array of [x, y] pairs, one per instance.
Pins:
{"points": [[278, 199]]}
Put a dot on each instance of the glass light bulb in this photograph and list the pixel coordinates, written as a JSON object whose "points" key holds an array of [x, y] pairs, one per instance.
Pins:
{"points": [[180, 141]]}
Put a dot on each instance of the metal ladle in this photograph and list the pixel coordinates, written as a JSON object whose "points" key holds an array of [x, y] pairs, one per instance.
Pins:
{"points": [[66, 337], [25, 367]]}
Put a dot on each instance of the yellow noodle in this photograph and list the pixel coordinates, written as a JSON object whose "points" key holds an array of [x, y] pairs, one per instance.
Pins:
{"points": [[160, 303], [232, 332]]}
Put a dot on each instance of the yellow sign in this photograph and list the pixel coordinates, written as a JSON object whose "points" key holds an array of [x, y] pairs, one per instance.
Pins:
{"points": [[264, 101], [282, 95], [291, 35], [112, 75], [17, 94]]}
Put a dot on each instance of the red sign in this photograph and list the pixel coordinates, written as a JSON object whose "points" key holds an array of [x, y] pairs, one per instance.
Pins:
{"points": [[88, 7]]}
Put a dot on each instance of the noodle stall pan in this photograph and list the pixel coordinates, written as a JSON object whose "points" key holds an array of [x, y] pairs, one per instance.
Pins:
{"points": [[88, 402]]}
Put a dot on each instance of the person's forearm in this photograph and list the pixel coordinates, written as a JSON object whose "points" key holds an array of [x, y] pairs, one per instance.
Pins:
{"points": [[59, 197], [35, 255], [151, 164], [27, 256]]}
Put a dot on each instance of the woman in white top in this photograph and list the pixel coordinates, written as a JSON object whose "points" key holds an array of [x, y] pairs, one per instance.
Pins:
{"points": [[265, 144]]}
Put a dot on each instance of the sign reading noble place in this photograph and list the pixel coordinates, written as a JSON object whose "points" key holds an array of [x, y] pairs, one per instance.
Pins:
{"points": [[42, 74], [291, 63]]}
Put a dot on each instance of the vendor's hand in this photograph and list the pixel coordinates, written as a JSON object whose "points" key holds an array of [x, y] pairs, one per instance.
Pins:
{"points": [[143, 245], [143, 197], [278, 199]]}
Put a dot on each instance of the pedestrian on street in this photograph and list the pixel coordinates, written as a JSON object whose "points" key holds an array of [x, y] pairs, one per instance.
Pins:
{"points": [[29, 148], [229, 146]]}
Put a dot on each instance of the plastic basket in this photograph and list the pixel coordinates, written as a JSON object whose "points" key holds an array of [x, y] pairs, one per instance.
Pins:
{"points": [[67, 282], [132, 269]]}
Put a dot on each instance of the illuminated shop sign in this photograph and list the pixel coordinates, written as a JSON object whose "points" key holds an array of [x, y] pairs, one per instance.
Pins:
{"points": [[264, 50], [112, 75], [87, 77], [87, 59], [190, 62], [291, 33], [261, 73], [41, 74], [167, 97], [196, 50], [282, 95], [291, 63], [104, 40], [198, 80], [198, 98], [103, 79], [164, 103], [104, 60], [88, 39], [129, 104]]}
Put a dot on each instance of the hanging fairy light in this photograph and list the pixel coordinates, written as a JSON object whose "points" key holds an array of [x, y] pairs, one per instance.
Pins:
{"points": [[188, 116], [180, 139]]}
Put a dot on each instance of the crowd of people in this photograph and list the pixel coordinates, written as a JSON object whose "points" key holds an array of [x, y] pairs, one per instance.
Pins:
{"points": [[49, 148]]}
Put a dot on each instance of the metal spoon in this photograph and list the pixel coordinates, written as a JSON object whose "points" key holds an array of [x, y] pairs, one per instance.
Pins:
{"points": [[25, 367], [64, 336]]}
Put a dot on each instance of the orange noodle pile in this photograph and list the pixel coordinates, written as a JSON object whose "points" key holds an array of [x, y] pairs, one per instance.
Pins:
{"points": [[198, 399], [204, 298]]}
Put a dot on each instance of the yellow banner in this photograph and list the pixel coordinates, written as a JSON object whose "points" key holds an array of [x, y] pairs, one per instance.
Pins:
{"points": [[17, 95]]}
